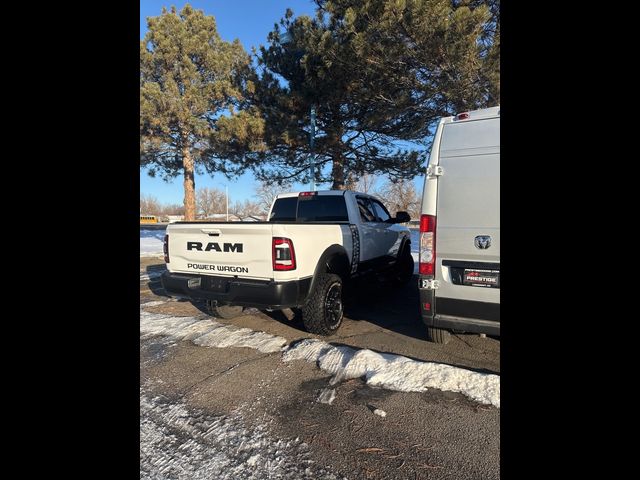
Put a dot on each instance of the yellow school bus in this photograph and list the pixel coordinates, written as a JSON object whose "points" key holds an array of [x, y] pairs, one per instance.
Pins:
{"points": [[148, 219]]}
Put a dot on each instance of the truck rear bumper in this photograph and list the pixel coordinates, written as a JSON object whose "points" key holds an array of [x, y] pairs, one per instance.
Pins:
{"points": [[464, 315], [235, 291]]}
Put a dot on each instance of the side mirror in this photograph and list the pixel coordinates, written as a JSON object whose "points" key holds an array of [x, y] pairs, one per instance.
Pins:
{"points": [[402, 217]]}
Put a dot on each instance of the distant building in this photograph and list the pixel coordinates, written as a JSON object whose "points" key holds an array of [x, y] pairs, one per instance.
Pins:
{"points": [[216, 217], [256, 218], [175, 218]]}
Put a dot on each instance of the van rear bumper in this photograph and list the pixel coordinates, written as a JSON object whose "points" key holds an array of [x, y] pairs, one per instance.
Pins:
{"points": [[236, 291], [454, 314]]}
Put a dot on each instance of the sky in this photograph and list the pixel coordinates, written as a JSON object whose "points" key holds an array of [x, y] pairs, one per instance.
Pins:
{"points": [[249, 21]]}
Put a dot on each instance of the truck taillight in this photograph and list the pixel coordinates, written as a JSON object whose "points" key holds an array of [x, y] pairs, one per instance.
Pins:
{"points": [[427, 244], [165, 248], [284, 256]]}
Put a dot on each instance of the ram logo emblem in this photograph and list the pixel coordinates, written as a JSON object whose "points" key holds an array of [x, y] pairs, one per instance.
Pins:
{"points": [[482, 242]]}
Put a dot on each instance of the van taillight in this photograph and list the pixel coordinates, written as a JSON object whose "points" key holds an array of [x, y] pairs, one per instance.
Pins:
{"points": [[284, 256], [427, 244], [165, 248]]}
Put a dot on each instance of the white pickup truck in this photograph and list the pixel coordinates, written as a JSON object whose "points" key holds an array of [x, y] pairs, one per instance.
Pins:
{"points": [[312, 244]]}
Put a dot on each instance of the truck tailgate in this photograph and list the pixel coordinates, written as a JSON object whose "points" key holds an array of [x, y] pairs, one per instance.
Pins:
{"points": [[221, 249]]}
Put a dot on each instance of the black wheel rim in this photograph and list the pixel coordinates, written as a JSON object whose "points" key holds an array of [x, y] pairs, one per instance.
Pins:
{"points": [[333, 305]]}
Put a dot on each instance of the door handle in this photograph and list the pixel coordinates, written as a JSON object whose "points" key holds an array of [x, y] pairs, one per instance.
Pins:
{"points": [[211, 231]]}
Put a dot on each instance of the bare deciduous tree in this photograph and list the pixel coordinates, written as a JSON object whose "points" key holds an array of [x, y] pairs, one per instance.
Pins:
{"points": [[149, 205], [210, 201], [244, 210], [266, 193], [364, 183], [173, 209], [400, 197]]}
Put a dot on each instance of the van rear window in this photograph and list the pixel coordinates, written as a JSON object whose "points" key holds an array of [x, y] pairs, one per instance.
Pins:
{"points": [[314, 208]]}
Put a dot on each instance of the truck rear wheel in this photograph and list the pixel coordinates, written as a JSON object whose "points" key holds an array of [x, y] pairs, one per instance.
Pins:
{"points": [[323, 312], [223, 311], [438, 335]]}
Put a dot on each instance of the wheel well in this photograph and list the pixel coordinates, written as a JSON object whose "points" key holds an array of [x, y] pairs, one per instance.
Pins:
{"points": [[338, 263], [333, 260], [406, 244]]}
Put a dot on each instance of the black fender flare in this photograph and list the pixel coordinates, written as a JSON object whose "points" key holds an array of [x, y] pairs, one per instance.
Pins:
{"points": [[335, 259], [406, 243]]}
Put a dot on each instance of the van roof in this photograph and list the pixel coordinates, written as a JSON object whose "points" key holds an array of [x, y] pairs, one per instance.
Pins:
{"points": [[490, 112]]}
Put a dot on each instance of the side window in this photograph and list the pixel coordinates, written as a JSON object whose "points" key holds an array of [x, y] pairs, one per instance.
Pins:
{"points": [[366, 211], [381, 212]]}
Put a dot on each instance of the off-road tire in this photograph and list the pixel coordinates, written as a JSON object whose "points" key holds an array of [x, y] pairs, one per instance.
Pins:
{"points": [[223, 311], [438, 335], [322, 313]]}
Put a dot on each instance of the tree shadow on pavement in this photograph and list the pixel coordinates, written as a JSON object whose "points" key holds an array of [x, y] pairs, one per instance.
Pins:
{"points": [[372, 300], [392, 307]]}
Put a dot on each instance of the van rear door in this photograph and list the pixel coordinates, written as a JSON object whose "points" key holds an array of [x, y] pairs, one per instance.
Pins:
{"points": [[468, 211]]}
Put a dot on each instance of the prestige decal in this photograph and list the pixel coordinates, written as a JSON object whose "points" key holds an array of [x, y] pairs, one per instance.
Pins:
{"points": [[218, 268], [226, 247]]}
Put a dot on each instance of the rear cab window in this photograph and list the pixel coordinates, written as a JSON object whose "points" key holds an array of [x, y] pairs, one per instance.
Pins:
{"points": [[312, 208], [284, 209]]}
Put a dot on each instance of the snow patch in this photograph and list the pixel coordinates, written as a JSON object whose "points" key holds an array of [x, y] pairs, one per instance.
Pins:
{"points": [[395, 372], [207, 333], [153, 303], [230, 336], [380, 413], [327, 396], [182, 443], [151, 242], [151, 274]]}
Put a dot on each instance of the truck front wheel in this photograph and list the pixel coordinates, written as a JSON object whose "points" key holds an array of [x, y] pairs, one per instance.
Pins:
{"points": [[223, 311], [323, 311]]}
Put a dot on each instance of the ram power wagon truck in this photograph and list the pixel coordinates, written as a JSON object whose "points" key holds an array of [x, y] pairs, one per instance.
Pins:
{"points": [[312, 244]]}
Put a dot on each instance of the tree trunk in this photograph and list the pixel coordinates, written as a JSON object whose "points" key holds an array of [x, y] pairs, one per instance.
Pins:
{"points": [[337, 172], [189, 184]]}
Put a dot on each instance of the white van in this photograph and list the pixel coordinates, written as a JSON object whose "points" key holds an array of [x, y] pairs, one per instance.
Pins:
{"points": [[459, 273]]}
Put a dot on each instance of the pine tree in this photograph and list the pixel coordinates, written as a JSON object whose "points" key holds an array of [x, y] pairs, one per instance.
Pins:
{"points": [[194, 89], [375, 72]]}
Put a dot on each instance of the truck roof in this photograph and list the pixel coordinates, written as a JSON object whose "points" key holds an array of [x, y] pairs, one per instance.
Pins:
{"points": [[320, 192]]}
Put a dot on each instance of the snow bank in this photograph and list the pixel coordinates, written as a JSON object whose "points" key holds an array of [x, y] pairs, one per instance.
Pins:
{"points": [[395, 372], [207, 333], [150, 247], [151, 242], [385, 370]]}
